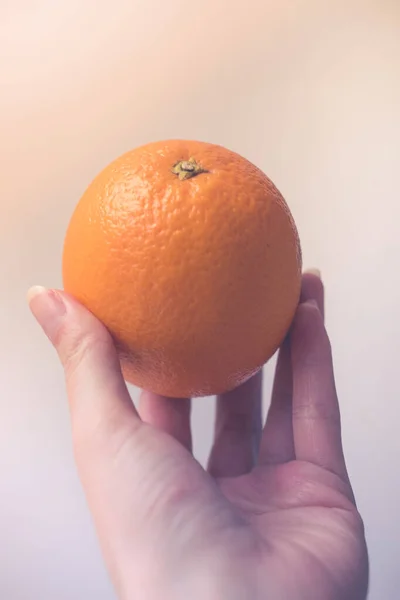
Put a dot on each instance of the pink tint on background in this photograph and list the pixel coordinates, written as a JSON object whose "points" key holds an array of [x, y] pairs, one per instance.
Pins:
{"points": [[310, 92]]}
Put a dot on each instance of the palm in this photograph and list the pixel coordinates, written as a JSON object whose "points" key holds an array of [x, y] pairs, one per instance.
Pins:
{"points": [[308, 528], [293, 527]]}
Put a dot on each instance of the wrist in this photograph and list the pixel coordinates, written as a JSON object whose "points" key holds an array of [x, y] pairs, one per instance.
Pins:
{"points": [[204, 580]]}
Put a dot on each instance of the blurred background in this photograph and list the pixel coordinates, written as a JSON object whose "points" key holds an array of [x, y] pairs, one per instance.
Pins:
{"points": [[309, 90]]}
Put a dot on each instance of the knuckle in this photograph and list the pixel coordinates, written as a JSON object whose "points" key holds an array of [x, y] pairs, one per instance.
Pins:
{"points": [[77, 347], [316, 410], [101, 435]]}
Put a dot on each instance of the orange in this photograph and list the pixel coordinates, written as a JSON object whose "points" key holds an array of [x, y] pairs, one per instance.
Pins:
{"points": [[189, 255]]}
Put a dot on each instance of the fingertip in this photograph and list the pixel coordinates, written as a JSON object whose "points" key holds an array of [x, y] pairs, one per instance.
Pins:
{"points": [[312, 288], [309, 339], [315, 272], [48, 308], [307, 319], [33, 292]]}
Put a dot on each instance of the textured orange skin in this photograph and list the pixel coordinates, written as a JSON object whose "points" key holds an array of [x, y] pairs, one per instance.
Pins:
{"points": [[197, 280]]}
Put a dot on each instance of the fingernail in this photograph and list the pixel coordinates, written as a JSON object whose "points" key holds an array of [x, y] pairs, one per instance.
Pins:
{"points": [[315, 272], [48, 308], [312, 303]]}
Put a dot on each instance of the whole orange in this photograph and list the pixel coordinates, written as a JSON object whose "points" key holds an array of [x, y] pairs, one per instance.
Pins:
{"points": [[189, 255]]}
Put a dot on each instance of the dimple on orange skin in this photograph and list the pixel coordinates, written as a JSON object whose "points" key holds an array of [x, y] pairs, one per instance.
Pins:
{"points": [[197, 278]]}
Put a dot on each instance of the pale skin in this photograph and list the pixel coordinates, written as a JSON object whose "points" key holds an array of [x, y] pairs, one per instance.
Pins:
{"points": [[273, 517]]}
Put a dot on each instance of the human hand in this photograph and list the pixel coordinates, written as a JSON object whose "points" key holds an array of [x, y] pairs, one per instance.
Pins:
{"points": [[274, 515]]}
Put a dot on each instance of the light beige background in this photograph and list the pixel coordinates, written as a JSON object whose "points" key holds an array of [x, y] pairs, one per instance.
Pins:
{"points": [[307, 89]]}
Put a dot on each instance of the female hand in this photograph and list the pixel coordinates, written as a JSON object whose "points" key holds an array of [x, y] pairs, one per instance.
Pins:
{"points": [[273, 516]]}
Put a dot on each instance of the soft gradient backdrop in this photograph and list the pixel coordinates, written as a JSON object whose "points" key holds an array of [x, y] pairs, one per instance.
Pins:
{"points": [[309, 90]]}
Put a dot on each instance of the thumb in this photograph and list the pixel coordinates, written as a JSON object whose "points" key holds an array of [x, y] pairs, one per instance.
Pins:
{"points": [[102, 411]]}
